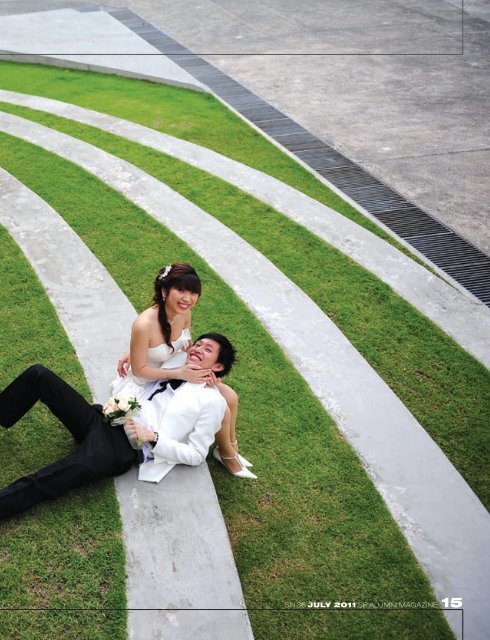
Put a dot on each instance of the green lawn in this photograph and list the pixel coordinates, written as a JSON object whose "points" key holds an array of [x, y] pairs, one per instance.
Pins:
{"points": [[62, 555], [312, 527], [190, 115], [445, 388]]}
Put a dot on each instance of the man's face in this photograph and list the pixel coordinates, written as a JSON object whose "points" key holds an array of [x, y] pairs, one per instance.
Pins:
{"points": [[205, 353]]}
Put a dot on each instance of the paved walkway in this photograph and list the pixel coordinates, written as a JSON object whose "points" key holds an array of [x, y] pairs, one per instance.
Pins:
{"points": [[178, 553], [418, 122], [448, 537], [102, 44], [467, 321]]}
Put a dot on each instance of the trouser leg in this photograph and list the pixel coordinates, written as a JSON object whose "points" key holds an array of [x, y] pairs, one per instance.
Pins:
{"points": [[94, 460], [39, 383]]}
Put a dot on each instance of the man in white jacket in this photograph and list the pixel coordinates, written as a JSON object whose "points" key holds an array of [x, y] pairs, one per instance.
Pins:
{"points": [[176, 427], [179, 424]]}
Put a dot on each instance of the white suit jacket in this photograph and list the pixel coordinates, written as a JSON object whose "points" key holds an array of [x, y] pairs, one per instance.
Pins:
{"points": [[186, 421]]}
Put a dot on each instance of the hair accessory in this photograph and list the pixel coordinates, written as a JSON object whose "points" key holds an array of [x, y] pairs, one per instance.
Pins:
{"points": [[168, 269]]}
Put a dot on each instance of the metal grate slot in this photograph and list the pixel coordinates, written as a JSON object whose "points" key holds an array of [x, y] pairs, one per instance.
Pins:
{"points": [[348, 178], [279, 128], [299, 143], [261, 115], [320, 159]]}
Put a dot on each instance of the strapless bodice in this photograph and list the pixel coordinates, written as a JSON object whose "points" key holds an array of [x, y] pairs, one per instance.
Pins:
{"points": [[159, 357], [163, 356]]}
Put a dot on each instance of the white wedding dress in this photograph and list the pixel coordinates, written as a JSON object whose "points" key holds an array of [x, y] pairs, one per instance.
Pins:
{"points": [[159, 357]]}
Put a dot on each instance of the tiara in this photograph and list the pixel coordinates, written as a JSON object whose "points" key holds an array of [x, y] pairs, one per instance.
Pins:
{"points": [[168, 269]]}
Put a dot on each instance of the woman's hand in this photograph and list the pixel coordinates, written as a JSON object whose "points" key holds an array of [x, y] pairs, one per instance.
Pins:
{"points": [[123, 364], [193, 373]]}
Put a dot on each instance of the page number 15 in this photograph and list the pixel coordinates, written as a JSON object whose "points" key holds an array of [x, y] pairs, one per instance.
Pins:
{"points": [[453, 603]]}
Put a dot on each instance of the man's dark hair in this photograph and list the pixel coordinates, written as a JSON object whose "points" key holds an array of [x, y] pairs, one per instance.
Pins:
{"points": [[227, 352]]}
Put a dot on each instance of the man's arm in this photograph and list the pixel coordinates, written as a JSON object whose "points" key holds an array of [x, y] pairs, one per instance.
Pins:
{"points": [[201, 437]]}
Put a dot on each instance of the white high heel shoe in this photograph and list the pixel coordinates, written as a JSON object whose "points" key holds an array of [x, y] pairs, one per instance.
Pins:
{"points": [[244, 462], [243, 473]]}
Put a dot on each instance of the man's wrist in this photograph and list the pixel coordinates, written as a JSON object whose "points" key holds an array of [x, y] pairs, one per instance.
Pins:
{"points": [[155, 439]]}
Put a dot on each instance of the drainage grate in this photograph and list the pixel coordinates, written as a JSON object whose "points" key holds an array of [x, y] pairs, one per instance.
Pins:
{"points": [[458, 258]]}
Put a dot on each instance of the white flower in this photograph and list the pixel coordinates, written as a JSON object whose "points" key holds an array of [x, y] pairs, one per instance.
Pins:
{"points": [[110, 406], [119, 410], [123, 404]]}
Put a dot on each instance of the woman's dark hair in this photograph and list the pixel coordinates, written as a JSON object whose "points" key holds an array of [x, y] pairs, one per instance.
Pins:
{"points": [[179, 276], [227, 352]]}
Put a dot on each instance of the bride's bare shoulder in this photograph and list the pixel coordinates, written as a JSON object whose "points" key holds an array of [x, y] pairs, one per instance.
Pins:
{"points": [[146, 319]]}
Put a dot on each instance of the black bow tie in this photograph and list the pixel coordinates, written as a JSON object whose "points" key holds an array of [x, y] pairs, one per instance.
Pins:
{"points": [[175, 384]]}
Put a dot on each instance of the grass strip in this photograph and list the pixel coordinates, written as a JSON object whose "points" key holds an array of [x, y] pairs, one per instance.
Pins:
{"points": [[183, 113], [446, 389], [313, 525], [63, 554]]}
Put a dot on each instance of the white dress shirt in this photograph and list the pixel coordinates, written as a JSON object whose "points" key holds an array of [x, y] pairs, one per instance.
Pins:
{"points": [[186, 421]]}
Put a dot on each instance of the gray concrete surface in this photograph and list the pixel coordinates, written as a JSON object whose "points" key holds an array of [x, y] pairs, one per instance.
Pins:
{"points": [[178, 555], [92, 41], [467, 321], [448, 536], [417, 122]]}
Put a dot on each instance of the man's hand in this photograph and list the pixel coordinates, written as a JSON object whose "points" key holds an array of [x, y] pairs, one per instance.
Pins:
{"points": [[139, 431], [123, 364], [212, 380]]}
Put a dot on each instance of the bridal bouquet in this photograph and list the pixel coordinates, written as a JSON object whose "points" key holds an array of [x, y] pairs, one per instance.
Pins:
{"points": [[120, 409]]}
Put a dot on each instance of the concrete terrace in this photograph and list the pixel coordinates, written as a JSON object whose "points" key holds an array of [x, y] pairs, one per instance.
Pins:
{"points": [[464, 319], [103, 44], [417, 121], [424, 231], [413, 463], [406, 457], [414, 115]]}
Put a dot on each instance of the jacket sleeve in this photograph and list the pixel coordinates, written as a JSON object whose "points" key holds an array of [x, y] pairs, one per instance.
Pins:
{"points": [[195, 450]]}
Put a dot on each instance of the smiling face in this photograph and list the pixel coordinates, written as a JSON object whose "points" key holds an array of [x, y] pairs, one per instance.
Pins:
{"points": [[205, 353], [179, 301]]}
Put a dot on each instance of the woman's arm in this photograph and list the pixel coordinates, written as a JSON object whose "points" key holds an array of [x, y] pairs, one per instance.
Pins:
{"points": [[140, 341], [123, 364]]}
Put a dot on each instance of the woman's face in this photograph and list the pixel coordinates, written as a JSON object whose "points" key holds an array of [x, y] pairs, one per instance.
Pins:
{"points": [[179, 301]]}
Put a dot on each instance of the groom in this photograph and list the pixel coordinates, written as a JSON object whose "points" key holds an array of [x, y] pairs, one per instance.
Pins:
{"points": [[177, 426]]}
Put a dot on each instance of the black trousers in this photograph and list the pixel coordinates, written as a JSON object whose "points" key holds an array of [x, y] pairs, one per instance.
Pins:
{"points": [[102, 451]]}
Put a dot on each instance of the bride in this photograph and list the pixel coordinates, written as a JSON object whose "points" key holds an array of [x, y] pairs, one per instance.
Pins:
{"points": [[160, 336]]}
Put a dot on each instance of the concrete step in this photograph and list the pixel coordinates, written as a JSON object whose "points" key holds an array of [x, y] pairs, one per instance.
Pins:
{"points": [[449, 537], [462, 317]]}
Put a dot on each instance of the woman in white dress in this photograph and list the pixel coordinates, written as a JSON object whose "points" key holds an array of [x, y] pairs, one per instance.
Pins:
{"points": [[160, 336]]}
